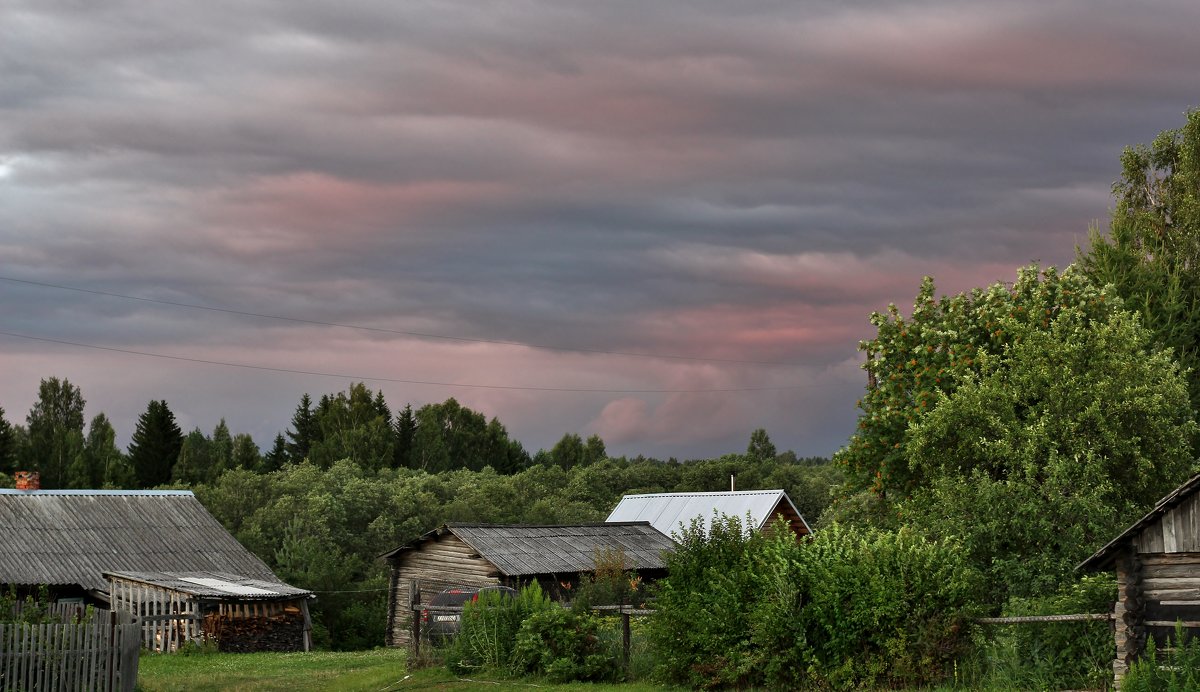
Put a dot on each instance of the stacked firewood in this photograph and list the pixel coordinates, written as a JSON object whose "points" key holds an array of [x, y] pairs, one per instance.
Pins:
{"points": [[282, 632]]}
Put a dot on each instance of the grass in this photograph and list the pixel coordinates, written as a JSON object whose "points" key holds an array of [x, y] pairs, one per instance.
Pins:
{"points": [[381, 670], [296, 672]]}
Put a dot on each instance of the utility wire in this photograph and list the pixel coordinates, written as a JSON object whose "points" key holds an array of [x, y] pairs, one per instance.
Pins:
{"points": [[383, 330], [391, 379]]}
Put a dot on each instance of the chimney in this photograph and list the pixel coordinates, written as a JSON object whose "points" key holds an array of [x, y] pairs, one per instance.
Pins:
{"points": [[732, 483], [28, 480]]}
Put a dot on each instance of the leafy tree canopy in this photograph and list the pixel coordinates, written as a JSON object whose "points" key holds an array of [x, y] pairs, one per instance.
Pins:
{"points": [[55, 425], [1151, 254], [1031, 420]]}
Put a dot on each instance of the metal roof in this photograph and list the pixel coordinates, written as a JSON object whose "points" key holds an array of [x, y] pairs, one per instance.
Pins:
{"points": [[671, 512], [74, 537], [1103, 557], [216, 585], [522, 550]]}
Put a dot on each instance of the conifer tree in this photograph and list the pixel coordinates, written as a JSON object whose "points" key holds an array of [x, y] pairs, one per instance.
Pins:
{"points": [[155, 445]]}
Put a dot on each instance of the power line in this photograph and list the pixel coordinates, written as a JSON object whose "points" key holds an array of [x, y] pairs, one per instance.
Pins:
{"points": [[401, 332], [367, 378]]}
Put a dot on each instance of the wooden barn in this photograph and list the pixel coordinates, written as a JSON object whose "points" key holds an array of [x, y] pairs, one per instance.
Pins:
{"points": [[482, 554], [81, 544], [1157, 561], [671, 512]]}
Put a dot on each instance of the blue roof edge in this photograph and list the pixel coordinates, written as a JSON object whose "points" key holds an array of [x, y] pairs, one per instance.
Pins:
{"points": [[73, 491]]}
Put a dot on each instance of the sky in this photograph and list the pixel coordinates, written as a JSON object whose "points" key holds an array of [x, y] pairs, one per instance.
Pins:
{"points": [[663, 223]]}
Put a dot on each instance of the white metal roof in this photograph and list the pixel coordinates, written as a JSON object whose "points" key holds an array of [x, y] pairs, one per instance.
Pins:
{"points": [[671, 512]]}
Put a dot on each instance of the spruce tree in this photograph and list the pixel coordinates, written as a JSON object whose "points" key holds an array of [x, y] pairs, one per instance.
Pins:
{"points": [[155, 446], [277, 457], [8, 445], [303, 431]]}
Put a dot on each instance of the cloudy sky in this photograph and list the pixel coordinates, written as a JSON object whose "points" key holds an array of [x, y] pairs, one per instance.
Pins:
{"points": [[665, 223]]}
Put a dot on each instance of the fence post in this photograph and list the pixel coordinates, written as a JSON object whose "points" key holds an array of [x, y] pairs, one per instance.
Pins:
{"points": [[625, 636], [414, 599]]}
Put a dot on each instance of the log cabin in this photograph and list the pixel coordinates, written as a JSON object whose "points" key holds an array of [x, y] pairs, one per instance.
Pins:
{"points": [[1157, 562], [484, 554]]}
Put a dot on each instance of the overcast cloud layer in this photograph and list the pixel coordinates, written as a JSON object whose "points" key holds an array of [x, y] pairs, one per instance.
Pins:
{"points": [[733, 182]]}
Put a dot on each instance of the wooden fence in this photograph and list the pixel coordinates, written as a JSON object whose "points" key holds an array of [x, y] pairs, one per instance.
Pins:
{"points": [[99, 654]]}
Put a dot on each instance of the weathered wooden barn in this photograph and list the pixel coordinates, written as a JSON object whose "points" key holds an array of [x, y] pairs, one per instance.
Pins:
{"points": [[671, 512], [481, 554], [1157, 561], [69, 540]]}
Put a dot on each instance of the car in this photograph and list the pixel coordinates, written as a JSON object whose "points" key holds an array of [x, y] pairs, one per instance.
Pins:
{"points": [[444, 624]]}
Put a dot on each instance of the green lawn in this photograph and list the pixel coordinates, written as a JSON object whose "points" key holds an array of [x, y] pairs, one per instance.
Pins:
{"points": [[298, 672], [382, 670]]}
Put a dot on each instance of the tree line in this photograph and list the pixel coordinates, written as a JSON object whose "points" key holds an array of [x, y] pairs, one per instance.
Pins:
{"points": [[355, 424]]}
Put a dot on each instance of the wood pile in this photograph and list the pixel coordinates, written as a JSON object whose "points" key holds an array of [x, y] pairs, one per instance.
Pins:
{"points": [[283, 631]]}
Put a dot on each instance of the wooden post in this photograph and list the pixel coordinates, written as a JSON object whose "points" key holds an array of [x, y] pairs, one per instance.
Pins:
{"points": [[625, 636], [414, 599]]}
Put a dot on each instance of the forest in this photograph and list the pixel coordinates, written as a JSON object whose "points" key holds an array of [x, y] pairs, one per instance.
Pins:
{"points": [[1004, 434]]}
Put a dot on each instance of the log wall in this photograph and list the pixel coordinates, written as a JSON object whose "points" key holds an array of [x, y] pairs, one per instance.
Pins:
{"points": [[419, 574]]}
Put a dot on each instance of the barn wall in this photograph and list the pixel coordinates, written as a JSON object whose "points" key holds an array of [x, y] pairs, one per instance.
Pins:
{"points": [[1177, 531], [432, 566]]}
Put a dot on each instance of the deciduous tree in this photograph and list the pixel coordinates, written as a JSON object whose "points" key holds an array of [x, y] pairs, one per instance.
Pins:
{"points": [[55, 425]]}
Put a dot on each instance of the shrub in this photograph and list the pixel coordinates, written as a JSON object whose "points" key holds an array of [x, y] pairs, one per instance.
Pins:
{"points": [[565, 645], [489, 628], [848, 608], [701, 625], [1180, 671], [1069, 655], [883, 607], [610, 583]]}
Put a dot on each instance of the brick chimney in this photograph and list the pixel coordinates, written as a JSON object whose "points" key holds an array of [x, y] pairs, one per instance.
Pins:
{"points": [[28, 480]]}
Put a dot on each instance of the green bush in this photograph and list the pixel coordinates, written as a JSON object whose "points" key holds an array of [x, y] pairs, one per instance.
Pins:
{"points": [[565, 645], [1068, 655], [848, 608], [489, 628], [609, 583], [700, 631], [1179, 672], [882, 607]]}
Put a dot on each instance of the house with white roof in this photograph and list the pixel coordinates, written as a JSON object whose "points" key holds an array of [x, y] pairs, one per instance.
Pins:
{"points": [[670, 513]]}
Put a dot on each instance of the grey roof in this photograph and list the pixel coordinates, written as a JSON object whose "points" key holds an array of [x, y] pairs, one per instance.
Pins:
{"points": [[216, 585], [1103, 557], [670, 512], [74, 537], [521, 550]]}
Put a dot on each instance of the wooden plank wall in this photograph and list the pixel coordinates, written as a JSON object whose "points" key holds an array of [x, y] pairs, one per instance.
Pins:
{"points": [[169, 618], [100, 654], [436, 564], [1177, 531]]}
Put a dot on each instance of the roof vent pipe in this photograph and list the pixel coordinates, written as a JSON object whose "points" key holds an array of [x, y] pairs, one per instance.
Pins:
{"points": [[732, 476]]}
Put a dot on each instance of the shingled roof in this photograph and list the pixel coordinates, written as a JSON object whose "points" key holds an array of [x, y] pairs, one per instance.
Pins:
{"points": [[522, 550], [75, 536]]}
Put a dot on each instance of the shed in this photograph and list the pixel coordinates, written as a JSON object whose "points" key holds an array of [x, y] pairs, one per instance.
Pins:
{"points": [[512, 555], [239, 613], [671, 512], [1157, 561], [71, 540]]}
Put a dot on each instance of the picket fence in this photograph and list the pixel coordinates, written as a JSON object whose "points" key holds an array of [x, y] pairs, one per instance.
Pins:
{"points": [[99, 654]]}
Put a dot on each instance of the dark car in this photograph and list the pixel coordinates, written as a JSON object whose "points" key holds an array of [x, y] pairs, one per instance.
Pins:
{"points": [[443, 624]]}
